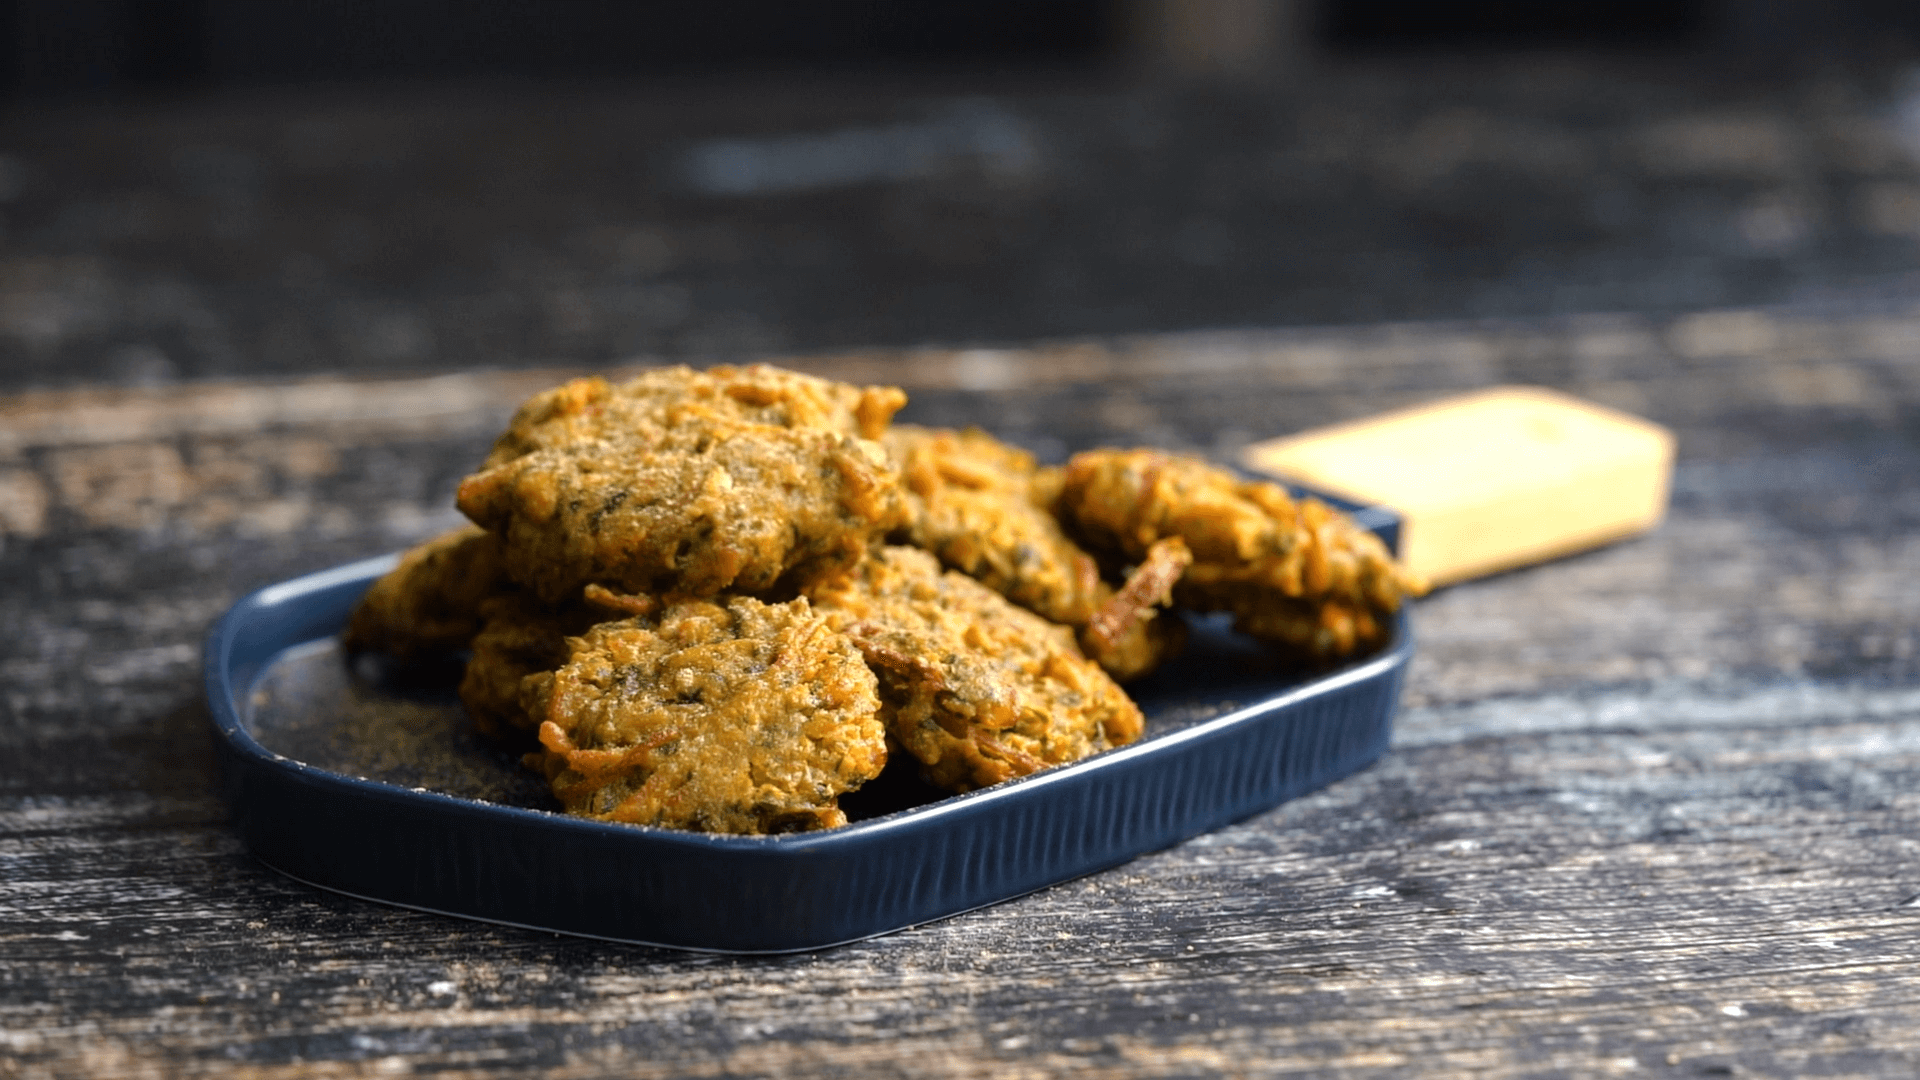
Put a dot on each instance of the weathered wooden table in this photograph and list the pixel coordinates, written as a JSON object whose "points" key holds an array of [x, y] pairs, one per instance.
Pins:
{"points": [[1652, 810]]}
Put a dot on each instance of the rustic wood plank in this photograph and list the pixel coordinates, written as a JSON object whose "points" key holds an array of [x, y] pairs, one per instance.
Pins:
{"points": [[1650, 810], [1676, 894]]}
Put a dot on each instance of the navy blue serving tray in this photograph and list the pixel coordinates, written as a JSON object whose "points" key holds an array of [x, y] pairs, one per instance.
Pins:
{"points": [[338, 779]]}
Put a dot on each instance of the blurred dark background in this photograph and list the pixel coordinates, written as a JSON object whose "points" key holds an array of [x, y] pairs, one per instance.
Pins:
{"points": [[204, 188], [57, 47]]}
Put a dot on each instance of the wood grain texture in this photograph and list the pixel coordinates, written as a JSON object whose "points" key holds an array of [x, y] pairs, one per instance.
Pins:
{"points": [[402, 229], [1654, 810]]}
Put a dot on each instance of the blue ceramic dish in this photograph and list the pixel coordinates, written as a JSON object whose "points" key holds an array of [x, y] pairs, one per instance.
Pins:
{"points": [[1226, 738]]}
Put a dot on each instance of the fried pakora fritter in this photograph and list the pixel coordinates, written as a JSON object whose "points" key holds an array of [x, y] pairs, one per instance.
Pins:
{"points": [[607, 594], [520, 637], [757, 393], [985, 508], [1124, 636], [432, 599], [972, 502], [684, 482], [732, 716], [978, 689], [1294, 572]]}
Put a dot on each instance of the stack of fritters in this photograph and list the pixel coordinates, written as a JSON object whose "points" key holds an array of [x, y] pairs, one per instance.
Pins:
{"points": [[715, 600], [978, 689], [987, 510]]}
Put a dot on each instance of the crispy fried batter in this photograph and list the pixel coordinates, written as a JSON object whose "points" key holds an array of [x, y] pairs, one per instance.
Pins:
{"points": [[758, 393], [521, 637], [613, 516], [1123, 636], [742, 718], [1151, 584], [1150, 639], [688, 482], [976, 688], [1294, 572], [432, 599], [985, 508], [971, 502]]}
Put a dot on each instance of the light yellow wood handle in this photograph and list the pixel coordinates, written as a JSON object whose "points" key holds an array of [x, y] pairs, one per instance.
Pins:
{"points": [[1490, 480]]}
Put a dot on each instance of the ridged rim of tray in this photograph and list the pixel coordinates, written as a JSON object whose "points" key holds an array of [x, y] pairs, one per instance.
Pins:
{"points": [[436, 852]]}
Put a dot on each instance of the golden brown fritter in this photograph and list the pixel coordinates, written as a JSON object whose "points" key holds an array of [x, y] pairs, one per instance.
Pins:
{"points": [[971, 502], [1151, 638], [1124, 636], [985, 508], [740, 717], [683, 482], [976, 688], [758, 393], [520, 637], [432, 599], [1298, 573], [523, 637]]}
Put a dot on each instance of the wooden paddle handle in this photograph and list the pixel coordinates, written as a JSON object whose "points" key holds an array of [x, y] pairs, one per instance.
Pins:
{"points": [[1491, 480]]}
